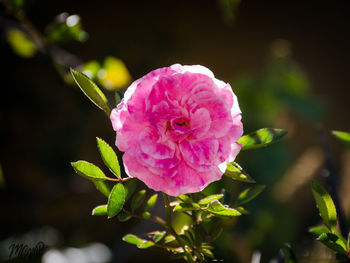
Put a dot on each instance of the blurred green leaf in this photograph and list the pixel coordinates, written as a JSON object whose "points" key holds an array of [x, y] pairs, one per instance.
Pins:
{"points": [[91, 90], [261, 138], [114, 74], [102, 187], [157, 235], [333, 242], [288, 254], [140, 243], [132, 239], [90, 69], [138, 199], [169, 238], [348, 242], [146, 215], [116, 200], [130, 187], [235, 171], [88, 170], [325, 205], [249, 194], [242, 210], [318, 230], [124, 216], [208, 199], [109, 157], [343, 136], [66, 28], [151, 203], [20, 43], [207, 252], [215, 207], [100, 210], [185, 198], [186, 207]]}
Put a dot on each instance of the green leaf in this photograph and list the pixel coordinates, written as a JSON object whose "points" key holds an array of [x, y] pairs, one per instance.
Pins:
{"points": [[116, 200], [140, 243], [242, 210], [102, 187], [333, 242], [20, 43], [261, 138], [325, 205], [318, 230], [91, 90], [185, 198], [169, 238], [208, 199], [186, 207], [249, 194], [132, 239], [348, 242], [146, 215], [124, 216], [109, 157], [130, 187], [151, 203], [138, 199], [215, 207], [88, 170], [343, 136], [207, 252], [236, 172], [157, 235], [100, 210]]}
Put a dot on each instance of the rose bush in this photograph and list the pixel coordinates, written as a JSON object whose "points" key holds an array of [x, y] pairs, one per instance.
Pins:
{"points": [[178, 127]]}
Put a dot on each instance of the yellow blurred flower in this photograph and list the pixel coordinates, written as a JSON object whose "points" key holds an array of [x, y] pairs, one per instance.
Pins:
{"points": [[114, 75]]}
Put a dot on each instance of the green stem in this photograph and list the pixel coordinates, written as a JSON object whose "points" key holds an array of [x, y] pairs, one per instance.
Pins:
{"points": [[118, 179], [171, 229]]}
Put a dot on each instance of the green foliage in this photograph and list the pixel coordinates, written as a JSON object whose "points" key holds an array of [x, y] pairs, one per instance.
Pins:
{"points": [[261, 138], [216, 208], [109, 157], [102, 187], [235, 171], [140, 243], [210, 198], [116, 200], [88, 170], [151, 203], [344, 137], [124, 216], [91, 90], [130, 187], [138, 199], [333, 241], [325, 206], [20, 43], [66, 28], [249, 194], [157, 235], [100, 210], [186, 207], [318, 230]]}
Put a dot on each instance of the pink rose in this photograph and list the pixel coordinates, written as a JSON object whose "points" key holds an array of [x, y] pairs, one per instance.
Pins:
{"points": [[178, 127]]}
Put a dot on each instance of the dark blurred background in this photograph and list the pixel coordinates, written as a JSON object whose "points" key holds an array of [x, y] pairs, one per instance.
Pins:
{"points": [[288, 63]]}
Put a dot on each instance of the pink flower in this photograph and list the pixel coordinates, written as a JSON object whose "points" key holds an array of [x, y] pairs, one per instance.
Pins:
{"points": [[178, 127]]}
